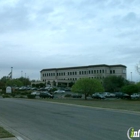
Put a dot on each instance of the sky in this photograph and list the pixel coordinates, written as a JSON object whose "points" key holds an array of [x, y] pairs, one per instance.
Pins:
{"points": [[39, 34]]}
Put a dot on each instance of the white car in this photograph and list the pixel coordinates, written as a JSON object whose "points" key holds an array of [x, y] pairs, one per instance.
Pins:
{"points": [[35, 93], [59, 91], [135, 96]]}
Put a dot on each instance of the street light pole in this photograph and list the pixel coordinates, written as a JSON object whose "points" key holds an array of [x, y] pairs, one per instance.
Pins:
{"points": [[21, 74], [138, 68], [131, 76]]}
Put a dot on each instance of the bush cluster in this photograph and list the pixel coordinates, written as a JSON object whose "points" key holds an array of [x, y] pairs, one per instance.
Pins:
{"points": [[31, 96], [6, 96]]}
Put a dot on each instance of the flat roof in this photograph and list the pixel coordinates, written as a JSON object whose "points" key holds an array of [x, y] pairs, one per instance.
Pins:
{"points": [[79, 67]]}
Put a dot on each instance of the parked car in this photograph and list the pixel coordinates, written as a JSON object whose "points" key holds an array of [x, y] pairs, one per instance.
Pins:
{"points": [[77, 96], [126, 96], [135, 96], [119, 95], [108, 95], [59, 91], [41, 89], [98, 96], [46, 95], [22, 88], [33, 88], [35, 93]]}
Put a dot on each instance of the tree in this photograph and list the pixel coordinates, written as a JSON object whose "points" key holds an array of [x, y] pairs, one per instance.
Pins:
{"points": [[138, 85], [114, 83], [130, 89], [4, 79], [14, 82], [71, 84], [25, 81], [54, 83], [40, 85], [2, 85], [87, 86]]}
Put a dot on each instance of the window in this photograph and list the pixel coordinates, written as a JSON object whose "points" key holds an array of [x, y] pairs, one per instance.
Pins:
{"points": [[110, 71], [102, 71], [94, 71], [113, 71]]}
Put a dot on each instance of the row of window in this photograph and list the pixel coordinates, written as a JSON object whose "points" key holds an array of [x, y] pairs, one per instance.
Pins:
{"points": [[74, 79], [80, 73]]}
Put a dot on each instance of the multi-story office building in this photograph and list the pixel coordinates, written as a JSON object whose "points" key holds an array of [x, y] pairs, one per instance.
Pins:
{"points": [[71, 74]]}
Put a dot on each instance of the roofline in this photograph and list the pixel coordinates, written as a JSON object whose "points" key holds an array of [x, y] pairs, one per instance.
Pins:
{"points": [[79, 67]]}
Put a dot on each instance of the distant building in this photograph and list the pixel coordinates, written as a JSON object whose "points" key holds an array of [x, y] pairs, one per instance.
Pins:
{"points": [[55, 76]]}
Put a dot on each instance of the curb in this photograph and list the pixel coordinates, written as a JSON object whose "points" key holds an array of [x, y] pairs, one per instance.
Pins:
{"points": [[13, 138]]}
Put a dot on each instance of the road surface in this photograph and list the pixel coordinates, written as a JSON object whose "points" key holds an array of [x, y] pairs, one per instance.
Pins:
{"points": [[41, 120]]}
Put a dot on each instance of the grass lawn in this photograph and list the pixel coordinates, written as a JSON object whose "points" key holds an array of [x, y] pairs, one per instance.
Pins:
{"points": [[4, 133], [132, 105]]}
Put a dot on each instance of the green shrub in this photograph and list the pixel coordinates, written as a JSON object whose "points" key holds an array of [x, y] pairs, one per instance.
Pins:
{"points": [[21, 96], [31, 96], [25, 93], [16, 92], [68, 95], [6, 96], [13, 94]]}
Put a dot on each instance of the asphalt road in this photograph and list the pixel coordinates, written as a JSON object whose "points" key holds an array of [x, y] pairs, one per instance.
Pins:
{"points": [[39, 120]]}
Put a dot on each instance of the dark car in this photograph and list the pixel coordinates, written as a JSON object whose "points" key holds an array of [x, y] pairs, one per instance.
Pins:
{"points": [[77, 96], [119, 95], [46, 95], [126, 96]]}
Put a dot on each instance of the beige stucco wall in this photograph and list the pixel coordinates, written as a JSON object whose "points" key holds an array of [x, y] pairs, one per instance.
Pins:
{"points": [[119, 71]]}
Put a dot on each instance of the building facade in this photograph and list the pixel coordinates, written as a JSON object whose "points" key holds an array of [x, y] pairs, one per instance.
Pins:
{"points": [[71, 74]]}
